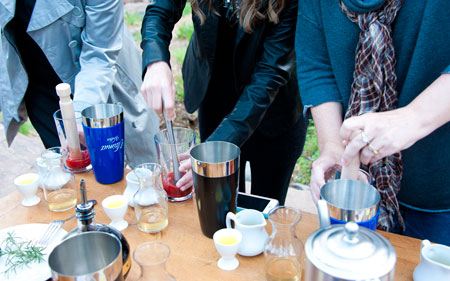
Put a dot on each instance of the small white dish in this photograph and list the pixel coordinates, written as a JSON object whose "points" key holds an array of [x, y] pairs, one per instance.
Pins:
{"points": [[115, 207], [227, 241], [27, 184]]}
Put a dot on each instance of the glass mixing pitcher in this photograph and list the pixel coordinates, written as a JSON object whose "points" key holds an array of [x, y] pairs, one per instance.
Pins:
{"points": [[150, 201], [59, 184], [283, 250]]}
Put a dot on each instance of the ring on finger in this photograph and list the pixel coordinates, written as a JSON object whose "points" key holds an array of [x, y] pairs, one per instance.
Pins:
{"points": [[365, 138], [372, 149]]}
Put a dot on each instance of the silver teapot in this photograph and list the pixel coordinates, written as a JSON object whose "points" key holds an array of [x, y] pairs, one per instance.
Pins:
{"points": [[347, 252]]}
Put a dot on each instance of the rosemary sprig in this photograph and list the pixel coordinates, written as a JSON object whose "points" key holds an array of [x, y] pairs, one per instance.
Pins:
{"points": [[20, 253]]}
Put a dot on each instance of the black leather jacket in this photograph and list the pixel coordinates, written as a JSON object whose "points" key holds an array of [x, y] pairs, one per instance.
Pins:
{"points": [[264, 68]]}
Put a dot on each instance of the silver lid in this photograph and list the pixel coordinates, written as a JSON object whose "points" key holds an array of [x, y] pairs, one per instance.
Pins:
{"points": [[350, 252], [102, 115], [215, 159]]}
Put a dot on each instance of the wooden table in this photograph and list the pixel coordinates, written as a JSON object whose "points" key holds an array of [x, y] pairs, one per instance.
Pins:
{"points": [[193, 256]]}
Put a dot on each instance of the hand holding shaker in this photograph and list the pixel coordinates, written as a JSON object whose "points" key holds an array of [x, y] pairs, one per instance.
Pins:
{"points": [[103, 127], [215, 171]]}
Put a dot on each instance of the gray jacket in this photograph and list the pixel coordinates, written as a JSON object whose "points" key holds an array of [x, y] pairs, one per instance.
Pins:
{"points": [[89, 47]]}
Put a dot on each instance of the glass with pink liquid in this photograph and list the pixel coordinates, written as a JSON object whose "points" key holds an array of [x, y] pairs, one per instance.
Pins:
{"points": [[184, 141]]}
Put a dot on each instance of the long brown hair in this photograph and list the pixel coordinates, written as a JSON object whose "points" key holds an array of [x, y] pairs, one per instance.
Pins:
{"points": [[249, 13]]}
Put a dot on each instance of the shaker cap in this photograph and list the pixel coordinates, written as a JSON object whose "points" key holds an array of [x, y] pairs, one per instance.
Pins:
{"points": [[350, 252]]}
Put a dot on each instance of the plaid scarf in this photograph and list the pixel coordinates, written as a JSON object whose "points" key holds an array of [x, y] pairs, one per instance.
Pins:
{"points": [[374, 90]]}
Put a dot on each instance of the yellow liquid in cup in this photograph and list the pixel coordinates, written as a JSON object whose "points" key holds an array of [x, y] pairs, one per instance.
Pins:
{"points": [[26, 181], [227, 240], [114, 204]]}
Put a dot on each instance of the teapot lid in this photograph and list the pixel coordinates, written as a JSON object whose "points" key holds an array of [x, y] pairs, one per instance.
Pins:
{"points": [[350, 252]]}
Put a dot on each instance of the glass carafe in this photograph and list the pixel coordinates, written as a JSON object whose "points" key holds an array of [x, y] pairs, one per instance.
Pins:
{"points": [[150, 201], [283, 251], [151, 258], [59, 184]]}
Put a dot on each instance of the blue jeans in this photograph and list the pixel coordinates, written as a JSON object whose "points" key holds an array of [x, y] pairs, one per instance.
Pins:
{"points": [[434, 226]]}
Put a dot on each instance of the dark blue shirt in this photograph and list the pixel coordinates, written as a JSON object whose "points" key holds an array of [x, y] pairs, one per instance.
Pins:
{"points": [[325, 45]]}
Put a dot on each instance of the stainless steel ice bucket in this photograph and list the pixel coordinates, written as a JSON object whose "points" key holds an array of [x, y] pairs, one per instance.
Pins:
{"points": [[89, 256], [350, 200]]}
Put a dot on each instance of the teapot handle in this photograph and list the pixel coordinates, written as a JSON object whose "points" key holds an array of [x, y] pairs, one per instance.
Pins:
{"points": [[230, 216], [324, 217]]}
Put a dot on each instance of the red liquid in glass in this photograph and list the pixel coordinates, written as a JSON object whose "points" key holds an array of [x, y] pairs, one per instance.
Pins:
{"points": [[171, 188], [78, 164]]}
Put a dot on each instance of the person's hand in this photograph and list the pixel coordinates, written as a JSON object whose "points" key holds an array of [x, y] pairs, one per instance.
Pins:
{"points": [[186, 180], [377, 135], [328, 159], [158, 83]]}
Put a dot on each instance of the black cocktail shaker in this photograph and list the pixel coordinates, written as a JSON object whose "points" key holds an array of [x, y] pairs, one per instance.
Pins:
{"points": [[215, 167]]}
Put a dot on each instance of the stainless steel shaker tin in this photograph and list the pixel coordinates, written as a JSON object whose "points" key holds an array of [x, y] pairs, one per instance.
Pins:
{"points": [[215, 159], [350, 200], [102, 115], [90, 256]]}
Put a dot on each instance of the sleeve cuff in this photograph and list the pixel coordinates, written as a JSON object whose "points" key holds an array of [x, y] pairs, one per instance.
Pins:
{"points": [[153, 52]]}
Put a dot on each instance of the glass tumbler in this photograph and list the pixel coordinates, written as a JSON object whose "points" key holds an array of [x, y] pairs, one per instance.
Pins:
{"points": [[184, 141], [150, 201], [151, 258], [59, 184], [283, 250], [77, 160]]}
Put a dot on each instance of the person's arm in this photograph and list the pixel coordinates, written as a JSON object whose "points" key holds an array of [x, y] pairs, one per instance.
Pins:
{"points": [[101, 42], [271, 72], [393, 131], [158, 23], [327, 120], [319, 91]]}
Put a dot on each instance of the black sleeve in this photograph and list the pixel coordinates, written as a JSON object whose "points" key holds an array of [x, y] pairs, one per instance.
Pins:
{"points": [[159, 20]]}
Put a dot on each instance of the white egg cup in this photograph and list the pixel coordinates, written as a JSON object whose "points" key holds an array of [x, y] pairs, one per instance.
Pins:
{"points": [[228, 261], [28, 190], [116, 214]]}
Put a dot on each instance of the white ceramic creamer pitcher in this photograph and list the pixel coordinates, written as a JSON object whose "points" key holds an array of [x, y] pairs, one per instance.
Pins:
{"points": [[434, 262], [251, 223], [132, 187]]}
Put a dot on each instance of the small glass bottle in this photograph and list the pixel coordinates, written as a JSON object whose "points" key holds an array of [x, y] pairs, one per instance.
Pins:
{"points": [[85, 215], [150, 201], [151, 258], [283, 251], [59, 184]]}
